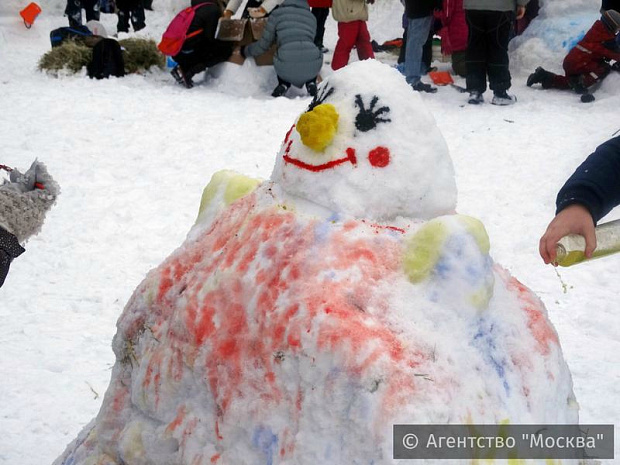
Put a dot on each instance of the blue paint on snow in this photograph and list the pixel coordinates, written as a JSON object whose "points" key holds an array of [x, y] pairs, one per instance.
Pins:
{"points": [[264, 439]]}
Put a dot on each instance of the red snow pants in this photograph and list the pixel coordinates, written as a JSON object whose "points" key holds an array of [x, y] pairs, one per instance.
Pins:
{"points": [[579, 64], [353, 33]]}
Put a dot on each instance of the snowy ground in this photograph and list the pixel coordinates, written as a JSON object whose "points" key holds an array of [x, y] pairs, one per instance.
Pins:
{"points": [[132, 156]]}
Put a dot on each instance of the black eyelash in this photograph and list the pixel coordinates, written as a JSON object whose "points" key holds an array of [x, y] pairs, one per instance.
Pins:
{"points": [[320, 97], [368, 118]]}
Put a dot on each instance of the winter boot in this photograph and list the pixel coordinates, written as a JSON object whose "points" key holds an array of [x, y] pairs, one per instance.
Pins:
{"points": [[475, 98], [181, 78], [576, 83], [539, 76], [311, 88], [423, 87], [280, 90], [501, 97]]}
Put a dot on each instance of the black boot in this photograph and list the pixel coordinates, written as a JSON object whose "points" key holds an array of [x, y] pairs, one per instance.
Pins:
{"points": [[280, 90], [539, 76], [576, 83], [311, 88]]}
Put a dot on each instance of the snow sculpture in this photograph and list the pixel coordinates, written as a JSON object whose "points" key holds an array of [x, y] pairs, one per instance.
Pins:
{"points": [[305, 315]]}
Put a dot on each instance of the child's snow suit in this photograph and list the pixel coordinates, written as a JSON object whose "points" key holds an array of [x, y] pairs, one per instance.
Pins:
{"points": [[587, 62], [292, 27]]}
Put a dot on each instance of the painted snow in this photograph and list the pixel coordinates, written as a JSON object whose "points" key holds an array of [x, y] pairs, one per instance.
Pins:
{"points": [[290, 327]]}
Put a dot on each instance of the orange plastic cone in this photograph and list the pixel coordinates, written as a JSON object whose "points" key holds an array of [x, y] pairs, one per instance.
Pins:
{"points": [[30, 13]]}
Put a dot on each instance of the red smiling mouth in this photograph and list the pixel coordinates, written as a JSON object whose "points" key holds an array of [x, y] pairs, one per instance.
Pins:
{"points": [[350, 158], [379, 157]]}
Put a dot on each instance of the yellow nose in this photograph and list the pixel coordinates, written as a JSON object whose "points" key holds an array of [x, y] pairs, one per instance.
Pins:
{"points": [[317, 128]]}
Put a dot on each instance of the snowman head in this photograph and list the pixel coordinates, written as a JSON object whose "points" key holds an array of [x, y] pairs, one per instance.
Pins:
{"points": [[367, 147]]}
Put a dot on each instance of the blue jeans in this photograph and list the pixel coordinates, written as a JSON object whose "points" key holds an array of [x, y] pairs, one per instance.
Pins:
{"points": [[418, 30]]}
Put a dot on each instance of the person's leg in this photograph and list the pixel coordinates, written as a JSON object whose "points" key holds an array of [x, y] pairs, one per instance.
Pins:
{"points": [[347, 34], [459, 63], [311, 87], [321, 15], [417, 33], [362, 43], [403, 48], [137, 15], [498, 65], [427, 52], [281, 88], [92, 7], [123, 13], [476, 52], [74, 12]]}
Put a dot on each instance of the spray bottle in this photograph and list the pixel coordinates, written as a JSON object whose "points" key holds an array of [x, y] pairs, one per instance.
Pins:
{"points": [[570, 249]]}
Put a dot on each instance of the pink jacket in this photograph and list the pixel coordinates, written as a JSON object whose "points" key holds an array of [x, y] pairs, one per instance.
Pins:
{"points": [[454, 29]]}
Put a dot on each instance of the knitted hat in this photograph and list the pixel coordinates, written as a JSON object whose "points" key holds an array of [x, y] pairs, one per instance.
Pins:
{"points": [[611, 19]]}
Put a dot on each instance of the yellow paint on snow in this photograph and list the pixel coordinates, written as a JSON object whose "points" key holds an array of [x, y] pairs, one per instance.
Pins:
{"points": [[227, 186], [423, 250], [317, 128]]}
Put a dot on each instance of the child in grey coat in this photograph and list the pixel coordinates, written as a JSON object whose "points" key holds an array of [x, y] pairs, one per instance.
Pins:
{"points": [[297, 60], [24, 201]]}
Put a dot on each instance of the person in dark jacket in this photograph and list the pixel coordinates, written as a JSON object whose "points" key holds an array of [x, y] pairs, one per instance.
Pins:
{"points": [[587, 63], [490, 24], [24, 201], [419, 21], [74, 11], [130, 10], [586, 197], [297, 60], [201, 50]]}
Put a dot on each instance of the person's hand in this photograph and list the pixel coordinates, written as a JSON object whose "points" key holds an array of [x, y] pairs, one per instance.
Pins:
{"points": [[520, 11], [574, 219], [227, 14], [256, 13]]}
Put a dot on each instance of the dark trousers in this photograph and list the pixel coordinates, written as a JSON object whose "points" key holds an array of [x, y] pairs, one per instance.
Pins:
{"points": [[321, 15], [203, 56], [487, 49], [130, 10], [74, 11]]}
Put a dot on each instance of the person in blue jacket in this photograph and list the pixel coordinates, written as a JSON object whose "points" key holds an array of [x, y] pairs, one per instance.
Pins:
{"points": [[587, 196]]}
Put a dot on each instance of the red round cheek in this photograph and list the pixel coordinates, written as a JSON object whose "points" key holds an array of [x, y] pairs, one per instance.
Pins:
{"points": [[379, 157]]}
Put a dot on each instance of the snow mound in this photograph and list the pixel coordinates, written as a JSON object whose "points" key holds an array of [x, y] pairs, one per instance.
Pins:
{"points": [[285, 332]]}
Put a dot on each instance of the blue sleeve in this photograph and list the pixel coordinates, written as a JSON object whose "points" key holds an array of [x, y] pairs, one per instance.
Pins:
{"points": [[596, 183]]}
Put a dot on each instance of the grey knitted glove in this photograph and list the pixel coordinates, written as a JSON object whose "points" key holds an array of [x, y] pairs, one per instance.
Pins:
{"points": [[25, 199]]}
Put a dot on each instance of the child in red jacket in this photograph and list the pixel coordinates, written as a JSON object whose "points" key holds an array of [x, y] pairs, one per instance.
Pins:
{"points": [[587, 62]]}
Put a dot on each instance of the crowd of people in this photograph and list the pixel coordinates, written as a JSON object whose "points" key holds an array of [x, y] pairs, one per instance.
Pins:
{"points": [[475, 33]]}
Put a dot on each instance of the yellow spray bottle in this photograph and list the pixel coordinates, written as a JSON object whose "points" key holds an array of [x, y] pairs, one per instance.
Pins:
{"points": [[570, 249]]}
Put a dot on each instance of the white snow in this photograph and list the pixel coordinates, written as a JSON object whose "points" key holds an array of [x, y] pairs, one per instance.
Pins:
{"points": [[132, 156]]}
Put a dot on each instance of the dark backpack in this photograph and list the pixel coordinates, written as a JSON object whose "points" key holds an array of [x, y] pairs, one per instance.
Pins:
{"points": [[107, 60], [58, 36]]}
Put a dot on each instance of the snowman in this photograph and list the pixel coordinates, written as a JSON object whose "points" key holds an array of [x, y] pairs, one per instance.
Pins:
{"points": [[307, 314]]}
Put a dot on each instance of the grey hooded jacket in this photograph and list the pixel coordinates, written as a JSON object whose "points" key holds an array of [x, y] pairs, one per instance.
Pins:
{"points": [[292, 27], [25, 200]]}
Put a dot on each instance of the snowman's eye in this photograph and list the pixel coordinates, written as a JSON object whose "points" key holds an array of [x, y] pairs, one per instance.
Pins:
{"points": [[320, 97], [368, 118]]}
